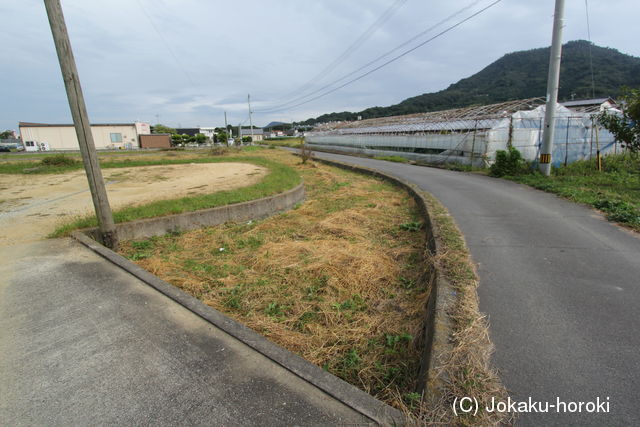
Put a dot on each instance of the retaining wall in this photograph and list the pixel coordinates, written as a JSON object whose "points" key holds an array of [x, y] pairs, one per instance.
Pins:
{"points": [[254, 209]]}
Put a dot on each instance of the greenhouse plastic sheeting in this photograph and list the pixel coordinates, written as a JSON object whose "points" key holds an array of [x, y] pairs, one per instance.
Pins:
{"points": [[575, 135], [575, 138]]}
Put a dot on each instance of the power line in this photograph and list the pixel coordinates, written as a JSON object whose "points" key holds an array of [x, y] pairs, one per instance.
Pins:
{"points": [[383, 64], [593, 80], [175, 58], [417, 36], [352, 48], [395, 49]]}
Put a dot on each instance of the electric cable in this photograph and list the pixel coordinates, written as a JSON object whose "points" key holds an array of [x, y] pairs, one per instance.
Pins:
{"points": [[175, 58], [346, 76], [352, 48], [451, 27], [593, 80]]}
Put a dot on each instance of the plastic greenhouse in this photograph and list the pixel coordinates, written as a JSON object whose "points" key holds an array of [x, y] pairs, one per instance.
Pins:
{"points": [[471, 135]]}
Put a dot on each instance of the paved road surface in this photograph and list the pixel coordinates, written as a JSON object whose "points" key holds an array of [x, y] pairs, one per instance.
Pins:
{"points": [[561, 287], [82, 342]]}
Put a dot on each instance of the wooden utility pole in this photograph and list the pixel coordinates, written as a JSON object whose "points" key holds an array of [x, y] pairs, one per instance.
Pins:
{"points": [[81, 121]]}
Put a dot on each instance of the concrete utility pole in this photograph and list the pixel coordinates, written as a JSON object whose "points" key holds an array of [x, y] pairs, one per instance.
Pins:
{"points": [[81, 121], [250, 120], [552, 90]]}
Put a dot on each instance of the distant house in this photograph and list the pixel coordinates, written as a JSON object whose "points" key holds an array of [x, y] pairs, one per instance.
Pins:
{"points": [[209, 131], [258, 134], [590, 105], [155, 140], [113, 136], [274, 134]]}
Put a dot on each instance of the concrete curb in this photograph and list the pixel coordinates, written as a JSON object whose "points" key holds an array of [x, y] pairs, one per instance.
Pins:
{"points": [[379, 412], [253, 209], [437, 334]]}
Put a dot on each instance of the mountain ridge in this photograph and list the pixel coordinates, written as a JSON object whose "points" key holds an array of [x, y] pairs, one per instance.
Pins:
{"points": [[520, 75]]}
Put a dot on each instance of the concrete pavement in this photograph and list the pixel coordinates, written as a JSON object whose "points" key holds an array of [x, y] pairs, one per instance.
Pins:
{"points": [[83, 342], [560, 285]]}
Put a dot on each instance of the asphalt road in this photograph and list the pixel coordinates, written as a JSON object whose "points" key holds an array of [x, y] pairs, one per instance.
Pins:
{"points": [[560, 286]]}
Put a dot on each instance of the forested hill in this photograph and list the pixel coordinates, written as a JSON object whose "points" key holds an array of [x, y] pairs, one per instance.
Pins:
{"points": [[521, 75]]}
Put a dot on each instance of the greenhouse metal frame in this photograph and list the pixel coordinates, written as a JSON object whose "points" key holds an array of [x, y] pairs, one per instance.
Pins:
{"points": [[469, 136]]}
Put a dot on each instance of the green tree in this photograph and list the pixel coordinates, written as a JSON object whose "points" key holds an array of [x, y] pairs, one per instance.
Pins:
{"points": [[176, 138], [247, 139], [625, 127], [222, 137], [162, 129], [200, 138], [6, 134]]}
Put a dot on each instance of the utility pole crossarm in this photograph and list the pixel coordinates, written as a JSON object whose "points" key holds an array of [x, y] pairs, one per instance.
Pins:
{"points": [[81, 122]]}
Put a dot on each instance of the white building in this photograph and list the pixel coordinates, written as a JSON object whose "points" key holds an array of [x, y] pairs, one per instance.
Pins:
{"points": [[208, 131], [113, 136], [257, 133]]}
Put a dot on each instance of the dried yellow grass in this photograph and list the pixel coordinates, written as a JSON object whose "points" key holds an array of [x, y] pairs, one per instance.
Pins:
{"points": [[466, 369], [322, 280]]}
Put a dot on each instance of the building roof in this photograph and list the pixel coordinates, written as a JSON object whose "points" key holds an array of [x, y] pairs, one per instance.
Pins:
{"points": [[457, 119], [583, 102], [45, 125], [256, 131], [188, 131]]}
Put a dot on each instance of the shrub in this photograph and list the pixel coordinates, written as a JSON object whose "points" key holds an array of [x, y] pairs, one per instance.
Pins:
{"points": [[218, 151], [305, 152], [508, 163], [59, 160]]}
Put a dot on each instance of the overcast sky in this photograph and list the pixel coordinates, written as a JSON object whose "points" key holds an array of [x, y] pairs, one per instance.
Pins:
{"points": [[185, 62]]}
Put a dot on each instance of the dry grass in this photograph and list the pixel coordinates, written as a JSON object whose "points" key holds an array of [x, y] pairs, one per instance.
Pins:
{"points": [[466, 370], [334, 280]]}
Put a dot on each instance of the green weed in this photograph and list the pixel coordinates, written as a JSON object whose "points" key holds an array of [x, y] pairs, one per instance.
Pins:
{"points": [[615, 191], [407, 283], [397, 159], [274, 309], [411, 226], [355, 303]]}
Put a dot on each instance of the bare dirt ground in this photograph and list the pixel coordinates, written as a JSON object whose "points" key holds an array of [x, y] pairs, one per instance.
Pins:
{"points": [[32, 206]]}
